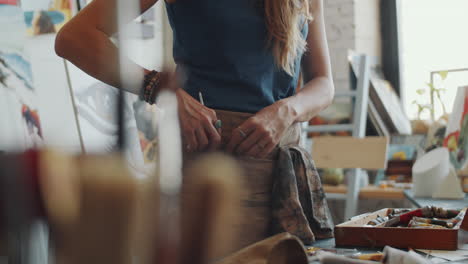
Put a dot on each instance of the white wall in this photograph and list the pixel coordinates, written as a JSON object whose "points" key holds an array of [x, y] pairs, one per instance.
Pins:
{"points": [[54, 101], [153, 53], [367, 19]]}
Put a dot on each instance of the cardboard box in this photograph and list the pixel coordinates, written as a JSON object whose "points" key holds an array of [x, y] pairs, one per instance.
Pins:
{"points": [[354, 233]]}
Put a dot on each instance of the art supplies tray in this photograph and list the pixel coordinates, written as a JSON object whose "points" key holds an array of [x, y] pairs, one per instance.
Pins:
{"points": [[357, 233]]}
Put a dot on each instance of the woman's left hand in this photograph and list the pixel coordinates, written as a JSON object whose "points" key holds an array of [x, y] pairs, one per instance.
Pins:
{"points": [[259, 135]]}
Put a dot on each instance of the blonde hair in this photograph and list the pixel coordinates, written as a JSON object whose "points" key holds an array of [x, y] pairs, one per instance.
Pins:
{"points": [[285, 20]]}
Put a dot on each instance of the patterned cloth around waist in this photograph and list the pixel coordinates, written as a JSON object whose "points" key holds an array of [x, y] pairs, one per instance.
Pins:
{"points": [[297, 200]]}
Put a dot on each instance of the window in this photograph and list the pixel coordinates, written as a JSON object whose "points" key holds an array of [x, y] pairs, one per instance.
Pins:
{"points": [[434, 37]]}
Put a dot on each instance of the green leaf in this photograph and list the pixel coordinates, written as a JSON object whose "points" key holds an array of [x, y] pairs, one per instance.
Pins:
{"points": [[443, 74], [421, 91], [431, 86]]}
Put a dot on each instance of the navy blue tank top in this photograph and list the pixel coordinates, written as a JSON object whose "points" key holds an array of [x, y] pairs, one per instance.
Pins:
{"points": [[221, 50]]}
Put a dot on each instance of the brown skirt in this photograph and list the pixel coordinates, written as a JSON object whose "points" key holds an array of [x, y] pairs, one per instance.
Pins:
{"points": [[257, 182]]}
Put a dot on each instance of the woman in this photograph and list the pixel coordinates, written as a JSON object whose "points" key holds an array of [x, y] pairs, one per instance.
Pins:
{"points": [[244, 58]]}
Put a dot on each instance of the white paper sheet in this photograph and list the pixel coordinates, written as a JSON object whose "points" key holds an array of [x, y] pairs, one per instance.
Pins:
{"points": [[461, 254]]}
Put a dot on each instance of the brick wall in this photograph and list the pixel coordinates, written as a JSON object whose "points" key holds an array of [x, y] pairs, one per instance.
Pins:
{"points": [[339, 21], [350, 24]]}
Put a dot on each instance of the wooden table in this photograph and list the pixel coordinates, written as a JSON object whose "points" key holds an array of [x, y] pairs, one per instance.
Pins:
{"points": [[449, 204], [368, 192]]}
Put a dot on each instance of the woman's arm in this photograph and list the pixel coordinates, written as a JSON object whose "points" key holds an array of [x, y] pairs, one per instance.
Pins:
{"points": [[85, 40], [318, 90]]}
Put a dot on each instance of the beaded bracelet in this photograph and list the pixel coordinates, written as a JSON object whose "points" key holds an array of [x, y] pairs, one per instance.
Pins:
{"points": [[151, 85]]}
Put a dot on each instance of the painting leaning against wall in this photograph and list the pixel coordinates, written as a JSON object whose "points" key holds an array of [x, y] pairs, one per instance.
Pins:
{"points": [[46, 16], [22, 128]]}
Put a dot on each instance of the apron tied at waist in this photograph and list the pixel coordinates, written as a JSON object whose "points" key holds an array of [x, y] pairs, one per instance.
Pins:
{"points": [[282, 193]]}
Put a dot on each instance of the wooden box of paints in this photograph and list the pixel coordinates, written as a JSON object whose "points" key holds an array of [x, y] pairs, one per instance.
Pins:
{"points": [[424, 228]]}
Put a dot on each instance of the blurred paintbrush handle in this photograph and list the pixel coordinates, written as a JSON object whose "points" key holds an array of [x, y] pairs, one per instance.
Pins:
{"points": [[210, 208]]}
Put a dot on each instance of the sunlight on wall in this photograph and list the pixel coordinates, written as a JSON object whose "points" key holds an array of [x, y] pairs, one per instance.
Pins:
{"points": [[434, 37]]}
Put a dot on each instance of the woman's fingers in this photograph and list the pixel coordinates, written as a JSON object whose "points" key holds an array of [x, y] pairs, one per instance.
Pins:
{"points": [[190, 140], [266, 151], [214, 136], [198, 121], [234, 140], [248, 143], [202, 139], [239, 134], [251, 139], [258, 148], [254, 151]]}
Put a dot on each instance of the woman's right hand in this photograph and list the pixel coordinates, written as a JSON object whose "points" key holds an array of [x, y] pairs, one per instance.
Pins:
{"points": [[197, 124]]}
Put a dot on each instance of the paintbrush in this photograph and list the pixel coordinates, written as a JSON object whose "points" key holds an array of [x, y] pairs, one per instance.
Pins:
{"points": [[218, 123]]}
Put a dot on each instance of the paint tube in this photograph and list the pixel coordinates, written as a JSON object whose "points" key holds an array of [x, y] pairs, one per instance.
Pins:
{"points": [[434, 221], [458, 218], [379, 220], [405, 218], [439, 212], [415, 224]]}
